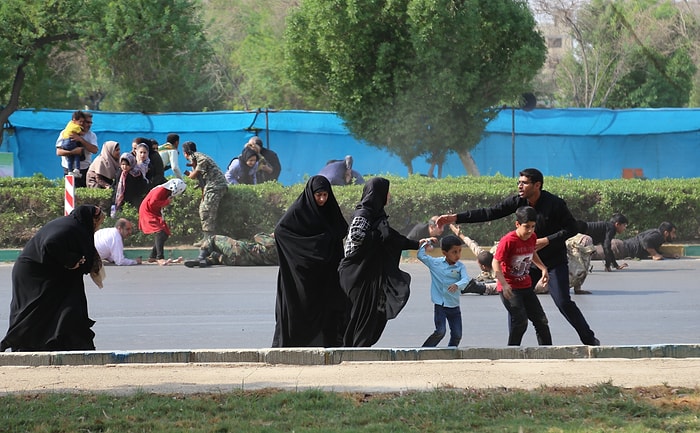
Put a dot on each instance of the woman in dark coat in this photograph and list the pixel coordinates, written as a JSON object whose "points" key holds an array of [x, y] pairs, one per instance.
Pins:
{"points": [[310, 306], [369, 274], [49, 310]]}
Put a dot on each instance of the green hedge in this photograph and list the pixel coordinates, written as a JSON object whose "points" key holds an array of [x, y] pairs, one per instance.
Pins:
{"points": [[27, 203]]}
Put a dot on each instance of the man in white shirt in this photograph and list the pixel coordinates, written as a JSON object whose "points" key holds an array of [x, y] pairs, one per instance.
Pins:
{"points": [[109, 243], [169, 154], [88, 147]]}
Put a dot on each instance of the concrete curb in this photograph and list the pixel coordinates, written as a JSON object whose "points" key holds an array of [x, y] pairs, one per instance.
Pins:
{"points": [[320, 356]]}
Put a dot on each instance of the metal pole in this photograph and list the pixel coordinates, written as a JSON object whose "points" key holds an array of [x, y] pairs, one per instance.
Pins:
{"points": [[267, 129], [512, 137]]}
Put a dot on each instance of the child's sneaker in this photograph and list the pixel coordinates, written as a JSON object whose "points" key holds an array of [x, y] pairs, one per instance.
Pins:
{"points": [[76, 173]]}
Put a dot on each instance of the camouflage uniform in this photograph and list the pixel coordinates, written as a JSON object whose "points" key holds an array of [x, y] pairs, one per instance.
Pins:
{"points": [[224, 250], [214, 186], [486, 277]]}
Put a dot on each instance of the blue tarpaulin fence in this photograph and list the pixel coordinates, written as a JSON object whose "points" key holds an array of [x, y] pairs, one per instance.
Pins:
{"points": [[585, 143]]}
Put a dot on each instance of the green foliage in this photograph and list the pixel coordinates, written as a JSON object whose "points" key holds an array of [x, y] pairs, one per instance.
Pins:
{"points": [[126, 55], [599, 408], [246, 37], [26, 204], [660, 81], [153, 55], [414, 76], [31, 30], [629, 54]]}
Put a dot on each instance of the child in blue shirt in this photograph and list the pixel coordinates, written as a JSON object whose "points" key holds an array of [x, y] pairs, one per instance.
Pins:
{"points": [[448, 277]]}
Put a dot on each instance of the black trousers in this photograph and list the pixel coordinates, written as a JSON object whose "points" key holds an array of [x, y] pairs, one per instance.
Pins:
{"points": [[159, 246]]}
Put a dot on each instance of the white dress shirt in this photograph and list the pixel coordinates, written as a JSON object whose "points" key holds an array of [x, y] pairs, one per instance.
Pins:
{"points": [[110, 246]]}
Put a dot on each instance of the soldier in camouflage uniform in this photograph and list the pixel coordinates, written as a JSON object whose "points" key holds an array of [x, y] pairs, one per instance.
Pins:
{"points": [[485, 282], [223, 250], [213, 183]]}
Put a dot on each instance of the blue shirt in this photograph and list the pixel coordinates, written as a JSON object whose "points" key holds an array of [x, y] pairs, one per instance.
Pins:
{"points": [[442, 276], [335, 173]]}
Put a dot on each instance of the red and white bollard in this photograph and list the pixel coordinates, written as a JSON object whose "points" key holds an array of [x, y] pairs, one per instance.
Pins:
{"points": [[69, 202]]}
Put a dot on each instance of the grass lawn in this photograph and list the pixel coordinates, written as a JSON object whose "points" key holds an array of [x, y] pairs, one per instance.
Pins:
{"points": [[602, 408]]}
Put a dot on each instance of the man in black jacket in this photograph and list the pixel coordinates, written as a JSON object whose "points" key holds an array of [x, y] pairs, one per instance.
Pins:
{"points": [[603, 233], [554, 225]]}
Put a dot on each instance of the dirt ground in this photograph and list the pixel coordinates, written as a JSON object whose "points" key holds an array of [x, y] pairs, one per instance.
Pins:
{"points": [[394, 376]]}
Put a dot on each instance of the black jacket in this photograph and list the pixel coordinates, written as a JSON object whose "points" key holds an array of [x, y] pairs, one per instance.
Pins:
{"points": [[554, 221]]}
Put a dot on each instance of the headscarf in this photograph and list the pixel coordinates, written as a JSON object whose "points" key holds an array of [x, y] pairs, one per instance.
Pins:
{"points": [[247, 173], [374, 197], [142, 167], [105, 164], [134, 170], [247, 153], [86, 215], [305, 217]]}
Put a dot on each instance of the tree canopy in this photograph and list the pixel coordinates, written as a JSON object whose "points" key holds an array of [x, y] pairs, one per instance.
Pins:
{"points": [[625, 53], [121, 55], [416, 77]]}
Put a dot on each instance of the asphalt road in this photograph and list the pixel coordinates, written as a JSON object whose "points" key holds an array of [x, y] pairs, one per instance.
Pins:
{"points": [[149, 307]]}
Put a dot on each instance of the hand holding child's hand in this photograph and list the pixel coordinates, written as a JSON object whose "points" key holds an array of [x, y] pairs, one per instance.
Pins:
{"points": [[428, 243], [453, 288]]}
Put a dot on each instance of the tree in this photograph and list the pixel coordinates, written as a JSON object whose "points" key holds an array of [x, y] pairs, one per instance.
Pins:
{"points": [[247, 37], [416, 77], [153, 55], [126, 54], [626, 53], [29, 33]]}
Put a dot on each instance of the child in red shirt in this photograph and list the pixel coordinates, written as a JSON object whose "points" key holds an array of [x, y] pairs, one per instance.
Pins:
{"points": [[515, 254]]}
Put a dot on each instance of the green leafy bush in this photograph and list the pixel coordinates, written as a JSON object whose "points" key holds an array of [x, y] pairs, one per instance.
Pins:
{"points": [[27, 203]]}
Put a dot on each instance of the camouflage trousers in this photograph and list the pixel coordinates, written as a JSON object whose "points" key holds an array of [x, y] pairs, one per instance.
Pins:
{"points": [[489, 281], [208, 208], [224, 250], [618, 249]]}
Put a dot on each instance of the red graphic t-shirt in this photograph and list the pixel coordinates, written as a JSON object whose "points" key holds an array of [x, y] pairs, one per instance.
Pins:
{"points": [[515, 257]]}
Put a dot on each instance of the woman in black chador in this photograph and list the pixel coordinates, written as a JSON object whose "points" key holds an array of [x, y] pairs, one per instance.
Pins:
{"points": [[310, 306], [49, 307], [369, 274]]}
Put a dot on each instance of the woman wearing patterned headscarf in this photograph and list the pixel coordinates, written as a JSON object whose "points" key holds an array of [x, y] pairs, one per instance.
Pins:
{"points": [[132, 185], [310, 306], [377, 289], [49, 308]]}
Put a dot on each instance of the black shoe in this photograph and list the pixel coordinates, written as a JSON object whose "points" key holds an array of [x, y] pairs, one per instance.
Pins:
{"points": [[474, 286], [203, 263], [191, 263], [595, 342]]}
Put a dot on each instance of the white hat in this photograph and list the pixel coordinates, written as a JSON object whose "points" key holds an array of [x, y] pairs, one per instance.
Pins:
{"points": [[177, 186]]}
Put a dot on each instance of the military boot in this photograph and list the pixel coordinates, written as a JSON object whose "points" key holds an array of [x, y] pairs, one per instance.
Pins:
{"points": [[203, 254], [474, 287]]}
